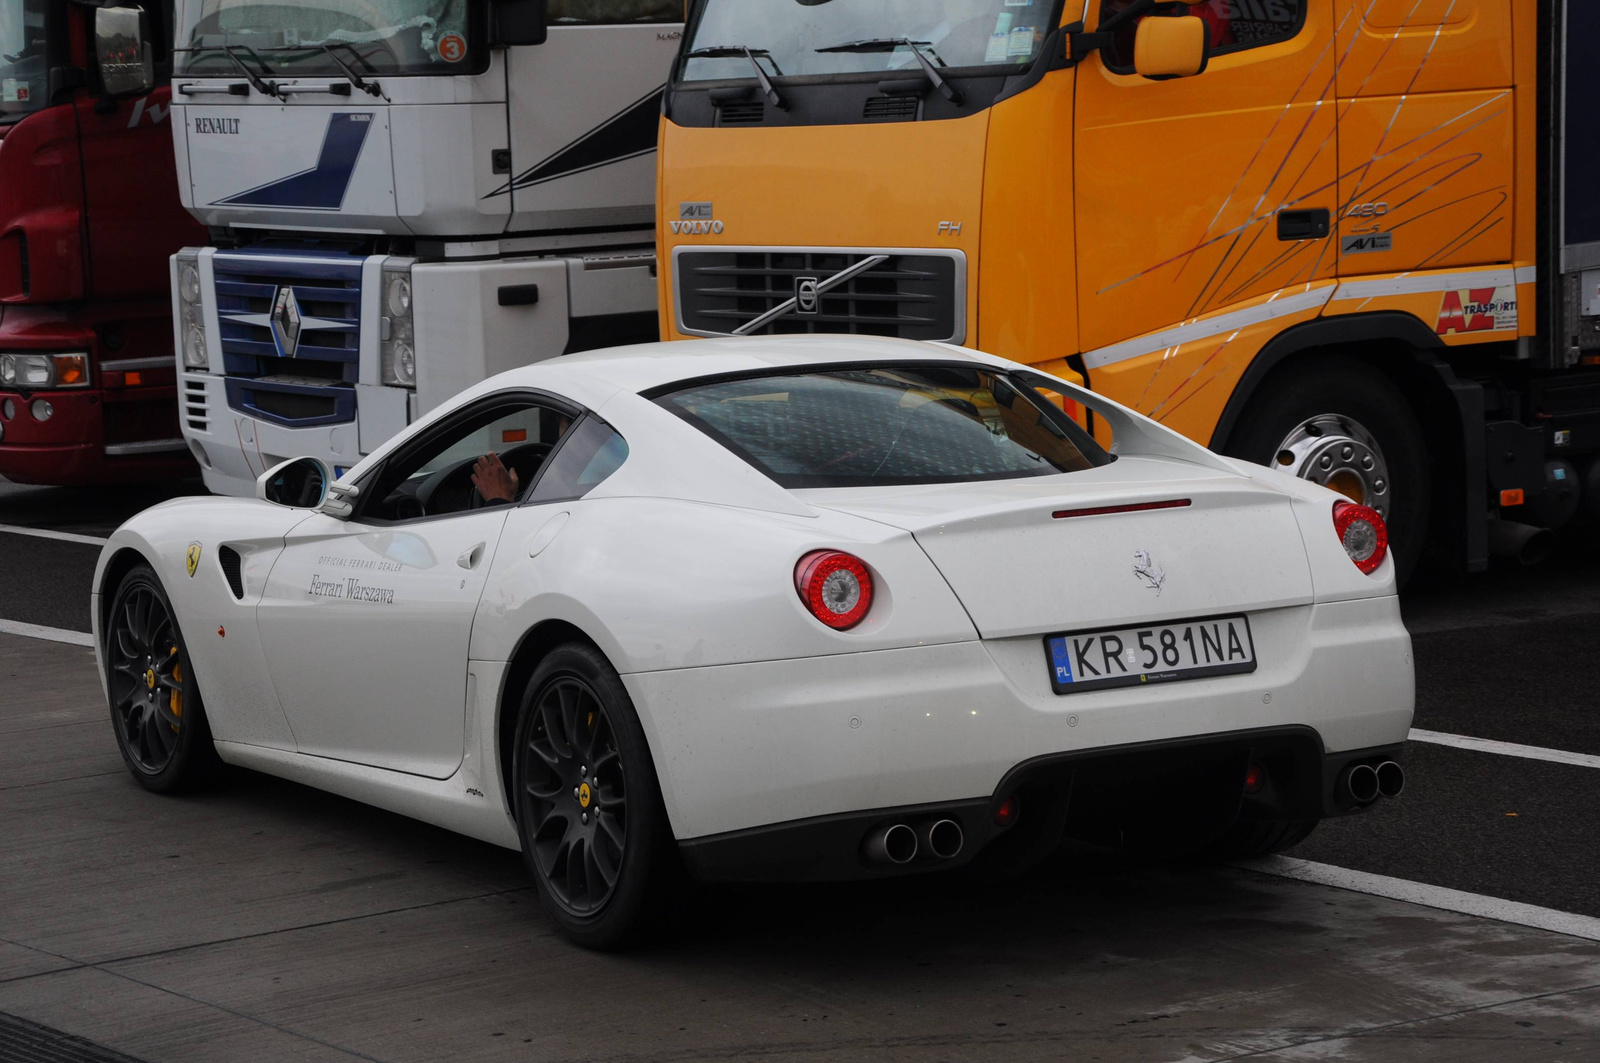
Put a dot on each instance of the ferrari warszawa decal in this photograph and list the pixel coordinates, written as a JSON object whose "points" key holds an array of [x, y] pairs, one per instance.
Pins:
{"points": [[350, 589]]}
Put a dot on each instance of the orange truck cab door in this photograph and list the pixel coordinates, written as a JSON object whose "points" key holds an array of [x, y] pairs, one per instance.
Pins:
{"points": [[1210, 197]]}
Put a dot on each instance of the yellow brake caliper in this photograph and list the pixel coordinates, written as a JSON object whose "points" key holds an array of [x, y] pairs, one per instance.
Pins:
{"points": [[177, 695]]}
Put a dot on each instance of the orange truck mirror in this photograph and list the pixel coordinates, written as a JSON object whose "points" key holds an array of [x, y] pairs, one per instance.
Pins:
{"points": [[1170, 47]]}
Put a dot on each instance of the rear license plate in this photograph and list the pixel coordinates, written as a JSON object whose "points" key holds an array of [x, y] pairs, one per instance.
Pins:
{"points": [[1153, 653]]}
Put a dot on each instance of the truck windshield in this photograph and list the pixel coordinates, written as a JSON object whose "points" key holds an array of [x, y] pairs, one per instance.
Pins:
{"points": [[24, 58], [293, 37], [809, 38]]}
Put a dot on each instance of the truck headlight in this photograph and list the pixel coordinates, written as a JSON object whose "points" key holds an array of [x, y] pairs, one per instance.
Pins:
{"points": [[397, 352], [192, 312], [36, 372]]}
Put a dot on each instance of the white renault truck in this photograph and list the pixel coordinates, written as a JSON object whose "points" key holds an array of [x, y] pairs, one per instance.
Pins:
{"points": [[403, 197]]}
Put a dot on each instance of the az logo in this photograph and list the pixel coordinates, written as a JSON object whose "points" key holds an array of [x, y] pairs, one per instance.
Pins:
{"points": [[1477, 310]]}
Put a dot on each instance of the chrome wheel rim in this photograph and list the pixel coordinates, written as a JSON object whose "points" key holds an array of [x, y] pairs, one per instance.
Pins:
{"points": [[1340, 454], [574, 796], [146, 680]]}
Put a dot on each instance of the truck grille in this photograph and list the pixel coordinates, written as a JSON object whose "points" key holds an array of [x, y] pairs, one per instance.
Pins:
{"points": [[315, 384], [918, 295]]}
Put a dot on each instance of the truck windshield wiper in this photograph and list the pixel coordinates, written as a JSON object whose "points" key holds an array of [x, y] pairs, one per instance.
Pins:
{"points": [[889, 44], [266, 88], [371, 88], [734, 51]]}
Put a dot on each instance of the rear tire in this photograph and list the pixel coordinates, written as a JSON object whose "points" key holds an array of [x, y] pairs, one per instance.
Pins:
{"points": [[1252, 838], [594, 831], [156, 710], [1348, 389]]}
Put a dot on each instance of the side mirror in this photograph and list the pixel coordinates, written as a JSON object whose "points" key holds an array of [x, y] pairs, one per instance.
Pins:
{"points": [[521, 22], [299, 483], [1166, 47], [122, 51]]}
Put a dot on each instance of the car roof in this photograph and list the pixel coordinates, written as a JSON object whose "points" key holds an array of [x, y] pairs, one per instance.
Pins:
{"points": [[643, 367]]}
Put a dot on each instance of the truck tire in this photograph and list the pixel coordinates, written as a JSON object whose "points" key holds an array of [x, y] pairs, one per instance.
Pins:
{"points": [[1339, 422]]}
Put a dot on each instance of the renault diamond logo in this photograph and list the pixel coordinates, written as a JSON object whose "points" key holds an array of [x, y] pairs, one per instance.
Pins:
{"points": [[286, 321], [805, 295]]}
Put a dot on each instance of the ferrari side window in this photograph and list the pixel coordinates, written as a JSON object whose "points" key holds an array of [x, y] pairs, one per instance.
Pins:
{"points": [[590, 453], [489, 457]]}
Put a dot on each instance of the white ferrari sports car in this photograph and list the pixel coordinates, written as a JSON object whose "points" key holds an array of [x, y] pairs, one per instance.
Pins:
{"points": [[773, 609]]}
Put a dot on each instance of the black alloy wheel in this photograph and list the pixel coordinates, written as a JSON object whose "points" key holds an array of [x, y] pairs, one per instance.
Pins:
{"points": [[579, 795], [156, 711], [594, 832]]}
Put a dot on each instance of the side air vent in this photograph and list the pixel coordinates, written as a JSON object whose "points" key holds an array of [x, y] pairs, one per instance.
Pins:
{"points": [[890, 109], [194, 405], [232, 568], [741, 112]]}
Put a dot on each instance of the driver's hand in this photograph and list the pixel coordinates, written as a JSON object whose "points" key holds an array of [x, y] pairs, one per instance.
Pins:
{"points": [[494, 481]]}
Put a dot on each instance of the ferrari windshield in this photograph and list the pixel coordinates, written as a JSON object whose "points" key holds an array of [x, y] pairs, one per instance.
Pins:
{"points": [[824, 37], [899, 424], [295, 37], [24, 58]]}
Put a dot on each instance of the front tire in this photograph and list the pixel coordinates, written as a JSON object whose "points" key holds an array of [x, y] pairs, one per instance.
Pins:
{"points": [[1341, 423], [156, 710], [594, 832]]}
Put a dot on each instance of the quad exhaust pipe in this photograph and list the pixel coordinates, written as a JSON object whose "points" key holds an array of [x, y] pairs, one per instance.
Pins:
{"points": [[943, 838], [1365, 783], [894, 844], [1391, 779], [900, 843]]}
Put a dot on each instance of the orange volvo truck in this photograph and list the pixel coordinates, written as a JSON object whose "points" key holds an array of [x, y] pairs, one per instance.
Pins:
{"points": [[1358, 239]]}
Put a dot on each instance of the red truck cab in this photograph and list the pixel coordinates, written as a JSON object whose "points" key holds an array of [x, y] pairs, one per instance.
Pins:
{"points": [[89, 214]]}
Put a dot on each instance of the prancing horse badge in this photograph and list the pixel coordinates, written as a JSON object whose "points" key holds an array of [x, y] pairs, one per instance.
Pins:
{"points": [[1145, 567], [192, 558]]}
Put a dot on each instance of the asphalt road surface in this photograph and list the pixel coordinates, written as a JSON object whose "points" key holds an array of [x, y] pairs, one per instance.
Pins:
{"points": [[268, 921]]}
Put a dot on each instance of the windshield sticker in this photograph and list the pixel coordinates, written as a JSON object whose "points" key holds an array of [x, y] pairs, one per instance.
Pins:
{"points": [[14, 91], [1020, 43], [452, 47], [996, 50]]}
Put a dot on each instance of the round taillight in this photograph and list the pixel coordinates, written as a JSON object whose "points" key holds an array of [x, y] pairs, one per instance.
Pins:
{"points": [[1363, 533], [835, 586]]}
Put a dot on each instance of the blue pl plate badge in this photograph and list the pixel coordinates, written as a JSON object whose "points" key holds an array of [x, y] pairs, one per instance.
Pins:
{"points": [[1061, 660]]}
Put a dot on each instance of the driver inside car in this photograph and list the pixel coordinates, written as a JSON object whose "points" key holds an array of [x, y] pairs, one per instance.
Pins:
{"points": [[494, 481]]}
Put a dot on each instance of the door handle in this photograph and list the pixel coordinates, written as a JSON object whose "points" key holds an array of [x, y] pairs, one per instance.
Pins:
{"points": [[471, 558], [1303, 224]]}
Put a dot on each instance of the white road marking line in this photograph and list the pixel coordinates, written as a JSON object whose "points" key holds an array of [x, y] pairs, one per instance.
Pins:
{"points": [[1507, 749], [46, 533], [49, 634], [1449, 900]]}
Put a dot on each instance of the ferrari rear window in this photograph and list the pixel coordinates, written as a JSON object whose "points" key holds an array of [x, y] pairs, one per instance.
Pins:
{"points": [[878, 425]]}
